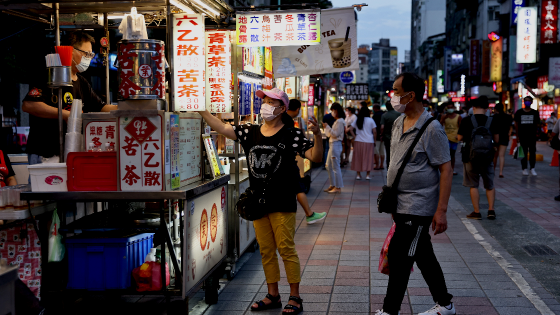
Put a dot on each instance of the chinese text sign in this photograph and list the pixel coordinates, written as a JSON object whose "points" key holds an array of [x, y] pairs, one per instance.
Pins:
{"points": [[218, 71], [549, 21], [527, 35], [273, 28], [189, 62]]}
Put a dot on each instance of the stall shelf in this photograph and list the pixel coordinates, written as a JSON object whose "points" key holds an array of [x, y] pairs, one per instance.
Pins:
{"points": [[188, 194]]}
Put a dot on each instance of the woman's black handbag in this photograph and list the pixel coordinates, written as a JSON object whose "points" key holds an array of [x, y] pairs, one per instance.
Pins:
{"points": [[248, 205], [251, 203], [387, 201]]}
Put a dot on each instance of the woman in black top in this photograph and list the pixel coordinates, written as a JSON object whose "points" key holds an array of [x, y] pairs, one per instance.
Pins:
{"points": [[504, 123], [271, 149]]}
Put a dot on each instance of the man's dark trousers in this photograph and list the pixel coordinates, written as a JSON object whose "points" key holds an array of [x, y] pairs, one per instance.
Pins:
{"points": [[411, 243]]}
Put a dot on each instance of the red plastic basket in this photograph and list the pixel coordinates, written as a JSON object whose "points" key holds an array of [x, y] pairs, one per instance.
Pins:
{"points": [[92, 171]]}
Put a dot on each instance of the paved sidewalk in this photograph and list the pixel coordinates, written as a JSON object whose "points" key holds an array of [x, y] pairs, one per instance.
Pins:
{"points": [[339, 259]]}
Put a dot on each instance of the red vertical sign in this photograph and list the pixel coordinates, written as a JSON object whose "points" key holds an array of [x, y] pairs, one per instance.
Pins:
{"points": [[541, 80], [475, 59], [485, 72], [549, 21]]}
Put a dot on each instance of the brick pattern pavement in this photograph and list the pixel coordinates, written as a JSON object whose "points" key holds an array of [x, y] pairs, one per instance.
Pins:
{"points": [[339, 259]]}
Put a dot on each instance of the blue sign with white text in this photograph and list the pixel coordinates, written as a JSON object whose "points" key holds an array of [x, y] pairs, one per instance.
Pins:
{"points": [[516, 5], [347, 77]]}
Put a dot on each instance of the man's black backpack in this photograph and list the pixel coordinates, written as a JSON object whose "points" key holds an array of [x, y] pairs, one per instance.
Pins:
{"points": [[482, 143]]}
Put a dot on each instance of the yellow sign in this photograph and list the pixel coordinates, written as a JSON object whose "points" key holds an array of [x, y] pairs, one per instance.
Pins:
{"points": [[430, 83], [394, 52], [496, 61]]}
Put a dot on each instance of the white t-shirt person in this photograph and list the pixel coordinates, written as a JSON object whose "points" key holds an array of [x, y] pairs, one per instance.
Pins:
{"points": [[366, 133]]}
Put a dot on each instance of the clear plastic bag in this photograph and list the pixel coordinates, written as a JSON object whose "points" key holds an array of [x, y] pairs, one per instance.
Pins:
{"points": [[56, 249]]}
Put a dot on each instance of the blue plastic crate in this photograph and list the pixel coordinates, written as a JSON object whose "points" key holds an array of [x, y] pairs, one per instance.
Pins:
{"points": [[105, 263]]}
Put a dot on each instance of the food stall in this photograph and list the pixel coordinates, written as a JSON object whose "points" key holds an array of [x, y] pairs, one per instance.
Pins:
{"points": [[146, 175]]}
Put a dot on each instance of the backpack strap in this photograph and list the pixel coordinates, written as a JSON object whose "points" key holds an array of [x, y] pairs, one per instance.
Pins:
{"points": [[474, 123], [488, 123]]}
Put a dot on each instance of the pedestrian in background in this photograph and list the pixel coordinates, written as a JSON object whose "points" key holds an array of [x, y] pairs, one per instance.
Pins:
{"points": [[504, 124], [476, 162], [336, 135], [387, 121], [270, 150], [527, 123], [294, 109], [364, 130], [423, 194], [379, 149], [550, 122], [451, 122], [329, 120], [349, 139]]}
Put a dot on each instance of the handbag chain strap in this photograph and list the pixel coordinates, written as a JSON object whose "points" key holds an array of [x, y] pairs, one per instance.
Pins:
{"points": [[409, 153]]}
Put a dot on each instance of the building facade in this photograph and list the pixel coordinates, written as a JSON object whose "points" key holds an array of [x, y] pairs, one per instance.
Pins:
{"points": [[382, 64]]}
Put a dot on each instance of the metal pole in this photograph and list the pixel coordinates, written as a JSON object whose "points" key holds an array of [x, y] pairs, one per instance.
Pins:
{"points": [[169, 31], [107, 92], [60, 119]]}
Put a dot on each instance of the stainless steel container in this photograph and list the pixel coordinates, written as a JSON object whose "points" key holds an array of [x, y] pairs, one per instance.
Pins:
{"points": [[59, 77], [141, 65]]}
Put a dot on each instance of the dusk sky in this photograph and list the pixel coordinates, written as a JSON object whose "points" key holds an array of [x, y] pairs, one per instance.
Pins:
{"points": [[383, 19]]}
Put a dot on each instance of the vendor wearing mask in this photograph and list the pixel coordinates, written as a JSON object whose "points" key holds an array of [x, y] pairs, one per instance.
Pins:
{"points": [[41, 101]]}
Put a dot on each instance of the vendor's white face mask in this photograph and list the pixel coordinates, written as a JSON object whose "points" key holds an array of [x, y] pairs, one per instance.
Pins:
{"points": [[83, 65]]}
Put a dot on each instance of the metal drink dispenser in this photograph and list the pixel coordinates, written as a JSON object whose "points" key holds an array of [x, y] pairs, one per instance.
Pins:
{"points": [[141, 65]]}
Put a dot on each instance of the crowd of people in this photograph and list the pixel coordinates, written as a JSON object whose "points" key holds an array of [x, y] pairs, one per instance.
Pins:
{"points": [[417, 144]]}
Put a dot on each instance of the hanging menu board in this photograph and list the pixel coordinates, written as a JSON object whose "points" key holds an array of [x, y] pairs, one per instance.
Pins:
{"points": [[190, 170]]}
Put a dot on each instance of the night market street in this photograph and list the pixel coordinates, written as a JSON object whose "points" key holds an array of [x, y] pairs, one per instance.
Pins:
{"points": [[485, 266]]}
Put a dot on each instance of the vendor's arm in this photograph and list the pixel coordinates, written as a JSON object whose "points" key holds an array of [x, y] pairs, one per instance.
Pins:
{"points": [[11, 181], [108, 108], [315, 154], [43, 110], [218, 125]]}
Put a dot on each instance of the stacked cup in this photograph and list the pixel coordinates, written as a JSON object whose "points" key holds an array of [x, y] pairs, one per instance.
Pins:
{"points": [[73, 139]]}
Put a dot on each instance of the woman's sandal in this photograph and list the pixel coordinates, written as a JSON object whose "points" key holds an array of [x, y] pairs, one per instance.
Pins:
{"points": [[275, 303], [296, 310]]}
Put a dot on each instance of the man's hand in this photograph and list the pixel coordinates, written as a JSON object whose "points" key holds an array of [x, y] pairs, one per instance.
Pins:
{"points": [[439, 222], [314, 126]]}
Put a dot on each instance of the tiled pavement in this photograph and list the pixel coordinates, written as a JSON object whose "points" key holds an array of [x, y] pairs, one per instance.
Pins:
{"points": [[339, 259]]}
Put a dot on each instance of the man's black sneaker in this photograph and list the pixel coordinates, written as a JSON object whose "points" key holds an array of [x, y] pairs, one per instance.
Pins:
{"points": [[491, 215], [557, 198], [474, 215]]}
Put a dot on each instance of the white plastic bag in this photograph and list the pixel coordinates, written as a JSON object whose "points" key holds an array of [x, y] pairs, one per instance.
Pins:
{"points": [[56, 249]]}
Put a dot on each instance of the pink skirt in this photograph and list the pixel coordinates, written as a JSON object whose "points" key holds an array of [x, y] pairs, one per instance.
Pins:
{"points": [[362, 157]]}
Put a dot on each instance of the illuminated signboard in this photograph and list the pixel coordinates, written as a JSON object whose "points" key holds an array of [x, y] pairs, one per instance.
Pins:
{"points": [[496, 61], [253, 60], [516, 5], [549, 21], [527, 35], [440, 87], [188, 62], [273, 28], [430, 83], [218, 71]]}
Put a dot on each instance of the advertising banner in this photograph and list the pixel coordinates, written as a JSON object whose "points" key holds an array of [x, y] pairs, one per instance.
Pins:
{"points": [[496, 61], [206, 237], [475, 59], [527, 35], [268, 77], [253, 60], [358, 92], [485, 73], [337, 51], [218, 70], [516, 5], [549, 22], [554, 71], [304, 88], [278, 28], [189, 62]]}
